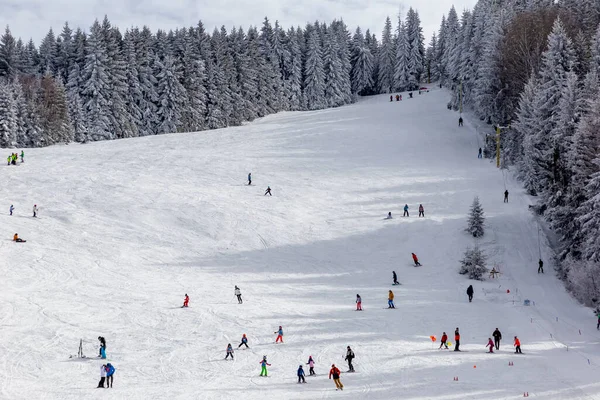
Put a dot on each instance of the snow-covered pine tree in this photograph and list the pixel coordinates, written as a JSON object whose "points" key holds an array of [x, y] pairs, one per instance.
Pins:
{"points": [[416, 53], [473, 263], [47, 54], [314, 75], [332, 67], [170, 95], [8, 117], [8, 55], [294, 69], [387, 57], [401, 74], [432, 68], [362, 65], [476, 220]]}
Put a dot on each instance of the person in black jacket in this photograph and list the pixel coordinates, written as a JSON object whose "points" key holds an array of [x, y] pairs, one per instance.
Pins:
{"points": [[541, 266], [497, 337], [349, 357], [102, 345], [470, 293], [395, 278]]}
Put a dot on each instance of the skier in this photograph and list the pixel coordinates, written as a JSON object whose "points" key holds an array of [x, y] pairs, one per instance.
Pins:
{"points": [[244, 341], [279, 333], [444, 340], [410, 95], [301, 374], [263, 363], [358, 303], [540, 268], [102, 349], [186, 301], [517, 346], [395, 277], [311, 364], [268, 191], [460, 121], [389, 216], [349, 358], [490, 344], [400, 97], [102, 376], [416, 260], [16, 238], [9, 158], [22, 156], [470, 293], [421, 211], [35, 210], [335, 372], [391, 97], [249, 178], [479, 155], [405, 210], [238, 293], [11, 209], [598, 316], [397, 98], [110, 374], [456, 340], [506, 196], [391, 300], [497, 337], [229, 351]]}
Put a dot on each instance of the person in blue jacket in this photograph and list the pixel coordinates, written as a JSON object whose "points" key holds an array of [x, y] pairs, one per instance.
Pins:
{"points": [[110, 374], [249, 178], [406, 210], [301, 374], [11, 209]]}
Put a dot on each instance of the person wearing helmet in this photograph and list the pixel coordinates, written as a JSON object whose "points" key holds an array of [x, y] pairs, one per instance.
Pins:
{"points": [[35, 210], [349, 358], [301, 374], [263, 364], [279, 333], [311, 365], [229, 351], [335, 373], [244, 341], [186, 301]]}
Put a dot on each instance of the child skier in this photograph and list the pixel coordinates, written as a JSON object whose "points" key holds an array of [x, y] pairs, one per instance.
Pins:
{"points": [[263, 363], [268, 192], [490, 344], [416, 260], [335, 372], [517, 346], [456, 340], [279, 333], [406, 211], [391, 300], [443, 340], [110, 374], [358, 303], [238, 293], [301, 374], [229, 351], [311, 365], [35, 210], [186, 301], [244, 341], [11, 209], [395, 277], [22, 156], [421, 211]]}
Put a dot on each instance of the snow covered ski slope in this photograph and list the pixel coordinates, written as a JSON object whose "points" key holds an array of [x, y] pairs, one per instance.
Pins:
{"points": [[127, 228]]}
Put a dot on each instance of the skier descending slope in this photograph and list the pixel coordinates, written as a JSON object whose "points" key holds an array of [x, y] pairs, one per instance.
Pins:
{"points": [[268, 192], [249, 178], [279, 333], [238, 293], [263, 365], [470, 293], [186, 301], [358, 303], [416, 260], [406, 211], [311, 365], [335, 373], [229, 351], [244, 341], [517, 346]]}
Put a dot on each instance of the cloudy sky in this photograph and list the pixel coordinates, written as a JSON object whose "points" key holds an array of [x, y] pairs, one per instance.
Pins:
{"points": [[33, 18]]}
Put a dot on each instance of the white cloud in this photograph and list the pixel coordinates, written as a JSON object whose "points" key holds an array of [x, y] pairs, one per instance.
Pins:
{"points": [[33, 18]]}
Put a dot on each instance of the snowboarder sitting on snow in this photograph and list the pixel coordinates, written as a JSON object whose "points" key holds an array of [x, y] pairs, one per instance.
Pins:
{"points": [[16, 238], [389, 216], [358, 303], [263, 363], [186, 301], [391, 300], [416, 260], [497, 337], [395, 278], [311, 365], [268, 191], [349, 358], [249, 178], [490, 344], [229, 351], [335, 372], [444, 340], [110, 375], [279, 333], [244, 341], [460, 121], [470, 293], [421, 211], [301, 374], [517, 345], [541, 266], [406, 211], [506, 196], [238, 293]]}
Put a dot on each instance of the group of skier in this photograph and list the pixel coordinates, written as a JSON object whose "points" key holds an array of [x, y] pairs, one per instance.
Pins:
{"points": [[11, 209], [406, 213], [267, 192], [12, 159]]}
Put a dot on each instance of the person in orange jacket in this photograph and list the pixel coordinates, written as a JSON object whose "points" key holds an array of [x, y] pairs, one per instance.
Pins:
{"points": [[391, 300], [456, 340], [416, 260], [186, 301], [335, 372], [444, 340], [517, 346], [16, 238]]}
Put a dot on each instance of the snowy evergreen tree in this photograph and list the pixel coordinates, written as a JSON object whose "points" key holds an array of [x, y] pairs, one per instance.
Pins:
{"points": [[294, 68], [416, 49], [475, 222], [314, 75], [170, 96], [473, 264], [332, 67], [387, 57], [8, 118], [8, 55], [401, 73], [362, 65]]}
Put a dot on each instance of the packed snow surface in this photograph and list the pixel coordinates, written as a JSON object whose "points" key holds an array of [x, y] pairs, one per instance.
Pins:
{"points": [[126, 228]]}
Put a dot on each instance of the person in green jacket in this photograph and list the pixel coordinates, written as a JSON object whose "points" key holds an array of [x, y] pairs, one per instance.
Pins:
{"points": [[22, 156], [8, 159]]}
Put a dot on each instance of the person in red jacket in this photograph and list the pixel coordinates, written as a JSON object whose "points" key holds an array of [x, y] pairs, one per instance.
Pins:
{"points": [[444, 340], [456, 340], [490, 344], [335, 372], [517, 345], [416, 260], [186, 301]]}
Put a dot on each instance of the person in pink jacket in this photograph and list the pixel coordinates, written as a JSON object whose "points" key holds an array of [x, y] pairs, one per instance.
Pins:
{"points": [[490, 345]]}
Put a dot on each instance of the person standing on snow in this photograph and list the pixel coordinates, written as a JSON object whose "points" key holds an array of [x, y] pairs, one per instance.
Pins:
{"points": [[229, 351], [244, 341], [22, 156], [391, 300], [238, 293], [11, 209], [598, 316], [405, 211], [395, 278], [110, 375], [102, 376], [506, 196], [416, 260], [421, 211], [263, 365], [102, 350], [35, 210], [279, 333], [444, 340], [349, 358], [391, 97], [470, 293], [268, 191], [186, 301], [460, 121], [479, 155], [497, 337], [456, 340], [490, 344], [311, 365], [301, 374], [358, 303], [540, 267], [517, 346], [335, 372], [249, 178]]}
